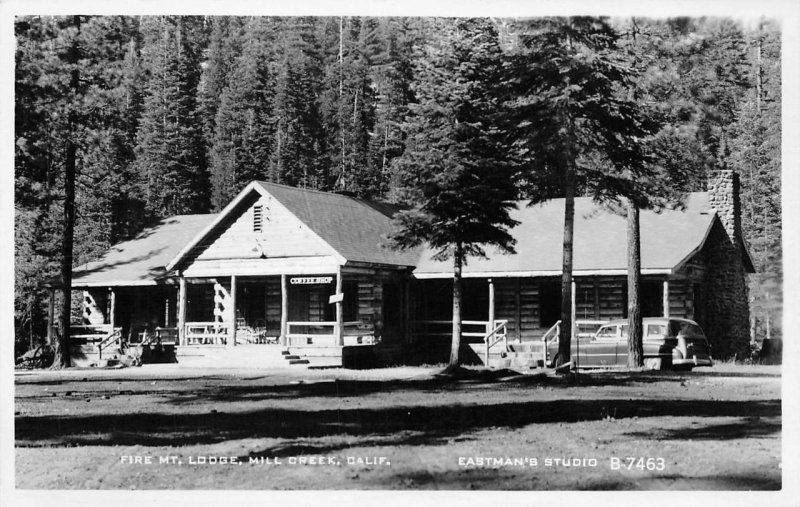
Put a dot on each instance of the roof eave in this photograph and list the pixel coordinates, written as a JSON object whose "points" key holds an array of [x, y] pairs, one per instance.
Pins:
{"points": [[539, 273]]}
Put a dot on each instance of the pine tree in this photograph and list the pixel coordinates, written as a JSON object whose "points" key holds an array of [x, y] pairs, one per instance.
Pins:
{"points": [[219, 59], [575, 128], [298, 156], [454, 167], [244, 124], [170, 152]]}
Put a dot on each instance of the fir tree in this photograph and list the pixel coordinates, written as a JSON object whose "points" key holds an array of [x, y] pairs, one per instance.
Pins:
{"points": [[454, 167], [170, 152], [244, 125], [574, 126]]}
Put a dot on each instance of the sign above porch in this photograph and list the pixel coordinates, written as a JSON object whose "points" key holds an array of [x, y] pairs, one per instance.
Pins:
{"points": [[308, 280]]}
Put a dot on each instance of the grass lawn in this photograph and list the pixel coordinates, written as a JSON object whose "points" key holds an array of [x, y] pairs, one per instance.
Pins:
{"points": [[168, 427]]}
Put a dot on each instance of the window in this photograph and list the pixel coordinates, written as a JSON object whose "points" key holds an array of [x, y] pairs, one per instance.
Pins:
{"points": [[549, 302], [258, 212], [607, 332], [350, 302], [656, 330]]}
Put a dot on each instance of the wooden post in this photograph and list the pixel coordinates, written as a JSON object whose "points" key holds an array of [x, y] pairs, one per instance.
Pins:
{"points": [[112, 308], [407, 308], [491, 306], [518, 310], [665, 300], [51, 307], [597, 298], [339, 328], [182, 310], [284, 309], [572, 313], [232, 330]]}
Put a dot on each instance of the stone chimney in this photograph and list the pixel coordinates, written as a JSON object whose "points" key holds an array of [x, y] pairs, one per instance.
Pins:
{"points": [[723, 197], [726, 314]]}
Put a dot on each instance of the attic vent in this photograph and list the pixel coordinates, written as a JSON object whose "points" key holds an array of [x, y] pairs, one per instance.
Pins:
{"points": [[257, 218]]}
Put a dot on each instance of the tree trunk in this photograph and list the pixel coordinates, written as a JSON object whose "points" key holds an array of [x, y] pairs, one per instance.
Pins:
{"points": [[456, 342], [565, 330], [61, 349], [635, 351]]}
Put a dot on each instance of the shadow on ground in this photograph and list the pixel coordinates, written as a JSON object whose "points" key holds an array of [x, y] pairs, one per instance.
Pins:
{"points": [[434, 422], [225, 389], [750, 427]]}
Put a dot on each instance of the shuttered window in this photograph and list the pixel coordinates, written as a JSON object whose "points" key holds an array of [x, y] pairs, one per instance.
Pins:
{"points": [[257, 218]]}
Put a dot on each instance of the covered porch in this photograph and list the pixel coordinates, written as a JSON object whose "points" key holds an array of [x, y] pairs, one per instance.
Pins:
{"points": [[524, 309]]}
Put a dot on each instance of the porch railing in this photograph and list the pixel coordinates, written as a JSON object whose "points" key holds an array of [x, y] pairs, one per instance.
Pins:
{"points": [[495, 336], [583, 329], [207, 333], [469, 328], [89, 332], [323, 334]]}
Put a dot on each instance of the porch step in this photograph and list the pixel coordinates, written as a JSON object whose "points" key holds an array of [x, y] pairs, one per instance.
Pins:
{"points": [[517, 361], [298, 361], [248, 355]]}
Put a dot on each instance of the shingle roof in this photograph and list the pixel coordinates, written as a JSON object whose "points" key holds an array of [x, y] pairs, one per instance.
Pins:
{"points": [[142, 259], [354, 227], [600, 239]]}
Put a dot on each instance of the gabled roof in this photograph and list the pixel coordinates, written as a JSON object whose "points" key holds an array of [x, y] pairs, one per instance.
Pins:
{"points": [[142, 260], [355, 228], [668, 238]]}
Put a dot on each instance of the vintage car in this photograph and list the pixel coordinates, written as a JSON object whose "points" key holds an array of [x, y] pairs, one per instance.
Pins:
{"points": [[667, 342]]}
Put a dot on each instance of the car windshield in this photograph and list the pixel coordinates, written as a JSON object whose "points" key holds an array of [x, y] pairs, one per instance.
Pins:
{"points": [[677, 327]]}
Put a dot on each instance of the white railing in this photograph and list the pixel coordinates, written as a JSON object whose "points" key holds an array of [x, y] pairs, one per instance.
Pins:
{"points": [[114, 337], [495, 336], [469, 328], [89, 332], [207, 333], [584, 329], [323, 334]]}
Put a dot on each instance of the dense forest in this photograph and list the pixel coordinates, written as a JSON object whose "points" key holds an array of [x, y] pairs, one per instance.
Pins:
{"points": [[175, 114]]}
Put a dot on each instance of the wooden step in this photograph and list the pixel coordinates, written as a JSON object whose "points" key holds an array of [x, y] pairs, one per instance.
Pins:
{"points": [[298, 361]]}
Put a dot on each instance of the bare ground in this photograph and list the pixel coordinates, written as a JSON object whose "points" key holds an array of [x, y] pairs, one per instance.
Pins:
{"points": [[397, 428]]}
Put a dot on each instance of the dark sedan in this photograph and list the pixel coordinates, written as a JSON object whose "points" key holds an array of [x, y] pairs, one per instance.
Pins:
{"points": [[667, 342]]}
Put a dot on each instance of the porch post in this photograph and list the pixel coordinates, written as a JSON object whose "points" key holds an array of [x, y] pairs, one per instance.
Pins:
{"points": [[51, 306], [182, 310], [339, 328], [665, 301], [407, 308], [596, 298], [232, 329], [518, 309], [491, 306], [112, 308], [284, 310], [572, 313]]}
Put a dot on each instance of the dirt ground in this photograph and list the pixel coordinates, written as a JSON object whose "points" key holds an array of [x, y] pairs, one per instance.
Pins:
{"points": [[167, 427]]}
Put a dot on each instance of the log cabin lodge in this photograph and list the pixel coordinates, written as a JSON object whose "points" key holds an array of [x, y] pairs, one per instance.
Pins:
{"points": [[283, 268]]}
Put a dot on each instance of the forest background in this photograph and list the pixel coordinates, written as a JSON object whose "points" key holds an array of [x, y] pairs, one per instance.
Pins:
{"points": [[175, 114]]}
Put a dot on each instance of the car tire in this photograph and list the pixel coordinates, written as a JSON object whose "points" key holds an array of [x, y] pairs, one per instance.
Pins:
{"points": [[652, 363]]}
